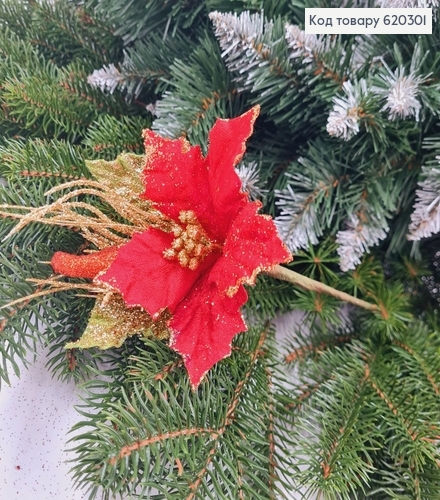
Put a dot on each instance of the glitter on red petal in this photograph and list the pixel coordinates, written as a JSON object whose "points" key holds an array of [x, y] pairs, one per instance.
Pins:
{"points": [[252, 246], [83, 266], [176, 177], [227, 144], [203, 326], [145, 278]]}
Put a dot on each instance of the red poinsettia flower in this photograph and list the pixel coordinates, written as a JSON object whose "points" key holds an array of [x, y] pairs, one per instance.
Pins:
{"points": [[218, 243]]}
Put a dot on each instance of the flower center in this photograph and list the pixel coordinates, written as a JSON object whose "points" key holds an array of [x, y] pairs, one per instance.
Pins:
{"points": [[191, 244]]}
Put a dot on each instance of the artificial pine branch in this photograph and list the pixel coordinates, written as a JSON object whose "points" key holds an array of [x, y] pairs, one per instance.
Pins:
{"points": [[61, 31], [425, 220], [144, 18], [217, 435], [309, 203], [44, 99], [109, 136], [358, 424], [362, 421], [144, 72], [204, 92]]}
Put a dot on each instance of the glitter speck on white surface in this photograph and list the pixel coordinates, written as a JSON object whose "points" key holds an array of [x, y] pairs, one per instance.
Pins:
{"points": [[36, 413]]}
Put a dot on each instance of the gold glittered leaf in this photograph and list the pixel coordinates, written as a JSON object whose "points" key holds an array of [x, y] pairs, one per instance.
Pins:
{"points": [[112, 322], [123, 175]]}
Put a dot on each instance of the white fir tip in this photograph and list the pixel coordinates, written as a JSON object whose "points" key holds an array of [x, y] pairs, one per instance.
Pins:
{"points": [[106, 79], [343, 120], [152, 108], [231, 28], [301, 45], [357, 239], [250, 180], [297, 223], [238, 36], [167, 122], [361, 52], [343, 123], [401, 95], [425, 219]]}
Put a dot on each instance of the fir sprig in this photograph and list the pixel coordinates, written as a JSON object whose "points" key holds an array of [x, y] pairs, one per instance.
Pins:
{"points": [[212, 92], [179, 442], [347, 437]]}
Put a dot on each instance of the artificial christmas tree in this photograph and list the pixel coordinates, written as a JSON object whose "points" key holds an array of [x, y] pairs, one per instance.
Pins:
{"points": [[343, 157]]}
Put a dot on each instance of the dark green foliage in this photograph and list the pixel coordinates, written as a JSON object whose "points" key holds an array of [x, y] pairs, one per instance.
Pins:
{"points": [[200, 92], [108, 137], [367, 417], [134, 20], [41, 96], [267, 298], [145, 428], [37, 319], [145, 70], [61, 32], [39, 158]]}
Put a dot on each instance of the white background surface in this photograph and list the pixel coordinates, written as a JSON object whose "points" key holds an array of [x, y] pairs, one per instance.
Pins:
{"points": [[36, 413]]}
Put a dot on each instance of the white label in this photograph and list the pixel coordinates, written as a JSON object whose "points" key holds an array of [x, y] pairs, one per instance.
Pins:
{"points": [[365, 21]]}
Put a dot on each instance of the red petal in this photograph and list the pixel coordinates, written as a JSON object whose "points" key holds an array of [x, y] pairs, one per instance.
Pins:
{"points": [[176, 177], [227, 144], [252, 245], [145, 278], [203, 326], [83, 266]]}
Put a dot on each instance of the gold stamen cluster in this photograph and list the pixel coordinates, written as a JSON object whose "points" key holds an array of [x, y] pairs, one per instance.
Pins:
{"points": [[191, 244]]}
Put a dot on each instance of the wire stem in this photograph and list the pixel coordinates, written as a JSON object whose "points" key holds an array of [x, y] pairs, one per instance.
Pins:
{"points": [[282, 273]]}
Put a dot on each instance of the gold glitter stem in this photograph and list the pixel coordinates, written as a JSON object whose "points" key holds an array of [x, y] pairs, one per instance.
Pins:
{"points": [[56, 286], [128, 210], [94, 225], [132, 213], [282, 273], [68, 185], [16, 207]]}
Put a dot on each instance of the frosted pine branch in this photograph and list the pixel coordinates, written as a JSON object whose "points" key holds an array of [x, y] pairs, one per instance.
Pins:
{"points": [[168, 123], [401, 94], [404, 93], [151, 107], [349, 3], [357, 239], [297, 224], [107, 79], [307, 47], [238, 35], [301, 45], [426, 215], [362, 52], [343, 120], [250, 180]]}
